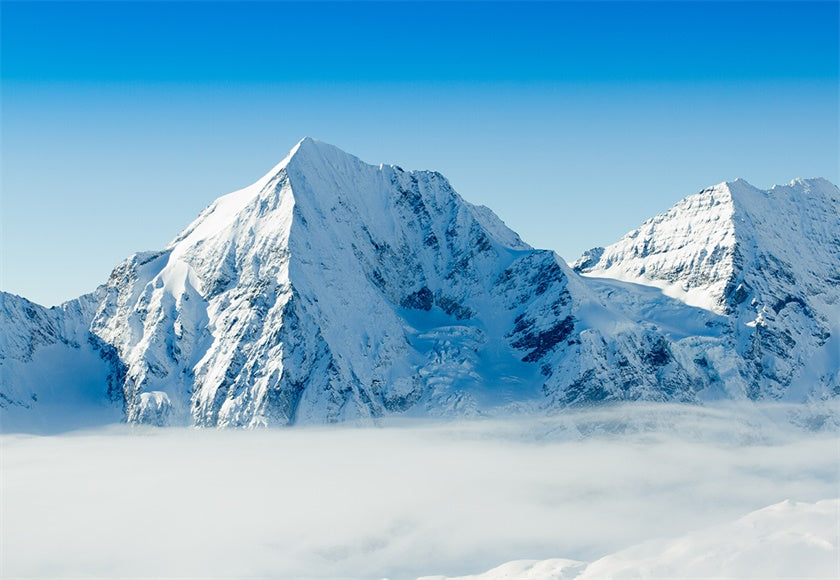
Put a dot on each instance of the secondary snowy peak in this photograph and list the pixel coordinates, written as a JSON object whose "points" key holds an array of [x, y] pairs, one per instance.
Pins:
{"points": [[702, 249], [767, 259]]}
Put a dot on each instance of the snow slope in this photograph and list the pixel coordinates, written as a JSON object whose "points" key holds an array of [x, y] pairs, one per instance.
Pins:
{"points": [[784, 540]]}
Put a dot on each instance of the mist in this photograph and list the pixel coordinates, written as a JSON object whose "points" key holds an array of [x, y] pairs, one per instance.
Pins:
{"points": [[402, 498]]}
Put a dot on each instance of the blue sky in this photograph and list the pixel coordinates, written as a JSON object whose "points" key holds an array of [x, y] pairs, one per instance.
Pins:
{"points": [[573, 121]]}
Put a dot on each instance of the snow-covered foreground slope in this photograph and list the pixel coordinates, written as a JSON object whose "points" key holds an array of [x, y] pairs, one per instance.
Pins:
{"points": [[784, 540], [418, 498], [767, 259], [333, 290]]}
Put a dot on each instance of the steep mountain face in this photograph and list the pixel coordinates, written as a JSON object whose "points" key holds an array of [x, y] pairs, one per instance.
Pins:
{"points": [[334, 290], [328, 290], [767, 260]]}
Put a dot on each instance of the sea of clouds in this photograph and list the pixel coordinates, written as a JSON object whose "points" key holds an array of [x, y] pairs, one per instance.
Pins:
{"points": [[401, 498]]}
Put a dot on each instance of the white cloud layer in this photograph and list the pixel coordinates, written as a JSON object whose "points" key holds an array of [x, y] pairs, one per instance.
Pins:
{"points": [[403, 500]]}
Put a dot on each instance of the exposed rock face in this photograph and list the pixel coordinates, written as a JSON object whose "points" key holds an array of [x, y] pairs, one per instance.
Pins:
{"points": [[334, 290]]}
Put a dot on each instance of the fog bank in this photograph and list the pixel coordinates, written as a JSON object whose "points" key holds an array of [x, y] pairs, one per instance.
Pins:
{"points": [[403, 499]]}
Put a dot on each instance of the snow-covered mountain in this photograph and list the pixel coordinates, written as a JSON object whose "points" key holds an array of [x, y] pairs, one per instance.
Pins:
{"points": [[328, 290], [335, 290], [767, 260]]}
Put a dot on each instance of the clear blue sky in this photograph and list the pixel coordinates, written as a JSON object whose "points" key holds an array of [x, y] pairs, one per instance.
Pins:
{"points": [[573, 121]]}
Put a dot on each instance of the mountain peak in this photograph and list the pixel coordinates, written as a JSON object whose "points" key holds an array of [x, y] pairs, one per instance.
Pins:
{"points": [[737, 182], [698, 247], [309, 157], [311, 147], [310, 152]]}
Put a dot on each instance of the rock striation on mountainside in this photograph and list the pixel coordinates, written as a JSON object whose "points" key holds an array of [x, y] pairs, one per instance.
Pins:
{"points": [[334, 290]]}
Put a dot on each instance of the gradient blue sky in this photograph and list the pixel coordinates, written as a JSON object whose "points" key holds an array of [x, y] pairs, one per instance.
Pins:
{"points": [[573, 121]]}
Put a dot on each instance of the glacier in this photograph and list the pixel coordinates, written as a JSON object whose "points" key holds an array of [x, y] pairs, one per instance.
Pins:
{"points": [[332, 290]]}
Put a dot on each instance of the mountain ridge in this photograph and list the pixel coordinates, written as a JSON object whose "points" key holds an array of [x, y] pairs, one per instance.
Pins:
{"points": [[334, 290]]}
